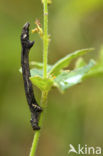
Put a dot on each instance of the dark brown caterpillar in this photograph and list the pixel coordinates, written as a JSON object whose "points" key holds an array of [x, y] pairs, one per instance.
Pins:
{"points": [[34, 107]]}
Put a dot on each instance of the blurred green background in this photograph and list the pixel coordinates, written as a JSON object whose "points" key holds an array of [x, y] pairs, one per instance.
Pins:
{"points": [[73, 118]]}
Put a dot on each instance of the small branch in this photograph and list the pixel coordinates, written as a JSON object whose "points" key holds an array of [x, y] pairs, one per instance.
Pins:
{"points": [[34, 107]]}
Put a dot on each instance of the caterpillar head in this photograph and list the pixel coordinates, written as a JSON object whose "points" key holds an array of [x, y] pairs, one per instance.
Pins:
{"points": [[26, 43]]}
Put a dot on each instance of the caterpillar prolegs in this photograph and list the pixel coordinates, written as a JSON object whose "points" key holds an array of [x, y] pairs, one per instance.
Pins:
{"points": [[34, 107]]}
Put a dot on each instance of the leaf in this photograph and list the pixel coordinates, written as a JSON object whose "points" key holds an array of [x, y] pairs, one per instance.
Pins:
{"points": [[101, 56], [38, 80], [64, 62], [68, 79], [36, 72], [97, 70], [20, 70], [39, 72], [41, 83], [80, 63], [39, 65]]}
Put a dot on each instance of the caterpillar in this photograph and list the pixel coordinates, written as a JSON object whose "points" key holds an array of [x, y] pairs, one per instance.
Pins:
{"points": [[34, 107]]}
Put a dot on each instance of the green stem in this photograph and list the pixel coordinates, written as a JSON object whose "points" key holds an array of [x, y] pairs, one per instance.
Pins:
{"points": [[45, 39], [37, 133], [44, 94]]}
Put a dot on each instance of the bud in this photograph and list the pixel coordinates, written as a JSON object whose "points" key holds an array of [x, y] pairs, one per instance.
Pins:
{"points": [[49, 2], [38, 28]]}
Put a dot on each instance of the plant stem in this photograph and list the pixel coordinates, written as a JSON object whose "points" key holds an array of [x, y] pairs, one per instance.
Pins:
{"points": [[45, 39], [37, 133], [44, 94]]}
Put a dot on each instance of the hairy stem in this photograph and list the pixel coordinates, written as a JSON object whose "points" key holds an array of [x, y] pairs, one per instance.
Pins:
{"points": [[44, 94], [45, 39]]}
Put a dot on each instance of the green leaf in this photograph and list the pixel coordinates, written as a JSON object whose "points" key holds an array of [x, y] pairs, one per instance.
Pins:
{"points": [[41, 83], [80, 63], [39, 65], [97, 70], [20, 70], [64, 62], [101, 56], [36, 72], [38, 80], [39, 72], [68, 79]]}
